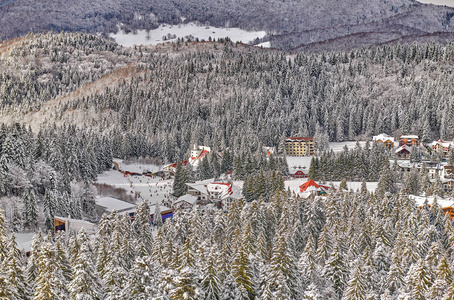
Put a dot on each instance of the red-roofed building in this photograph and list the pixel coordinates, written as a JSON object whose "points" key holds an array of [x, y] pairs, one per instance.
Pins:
{"points": [[314, 188], [198, 153], [298, 174]]}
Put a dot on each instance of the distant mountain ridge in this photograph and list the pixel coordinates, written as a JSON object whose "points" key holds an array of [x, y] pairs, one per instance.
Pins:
{"points": [[290, 24]]}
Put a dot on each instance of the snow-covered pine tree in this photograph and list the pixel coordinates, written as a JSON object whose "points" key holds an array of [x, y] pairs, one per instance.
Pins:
{"points": [[179, 184], [85, 283]]}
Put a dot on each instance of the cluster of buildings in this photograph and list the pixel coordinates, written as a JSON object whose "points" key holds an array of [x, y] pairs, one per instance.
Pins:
{"points": [[209, 194], [404, 145], [107, 205]]}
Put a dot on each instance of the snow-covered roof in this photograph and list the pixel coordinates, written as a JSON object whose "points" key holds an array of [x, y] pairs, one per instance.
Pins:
{"points": [[161, 207], [312, 186], [74, 221], [219, 188], [444, 203], [200, 186], [110, 204], [296, 163], [404, 147], [382, 137], [298, 139], [406, 164], [441, 143], [409, 137], [186, 198]]}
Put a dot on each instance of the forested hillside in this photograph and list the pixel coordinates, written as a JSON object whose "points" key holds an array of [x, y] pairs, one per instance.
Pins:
{"points": [[347, 246], [159, 100], [72, 101], [323, 24]]}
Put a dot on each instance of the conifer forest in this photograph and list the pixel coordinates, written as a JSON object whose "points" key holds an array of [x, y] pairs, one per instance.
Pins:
{"points": [[72, 105]]}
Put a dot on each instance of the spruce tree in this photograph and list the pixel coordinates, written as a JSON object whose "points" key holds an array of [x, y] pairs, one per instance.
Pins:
{"points": [[356, 286], [179, 184], [85, 282]]}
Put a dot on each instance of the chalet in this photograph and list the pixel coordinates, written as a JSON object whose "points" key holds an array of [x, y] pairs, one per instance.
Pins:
{"points": [[185, 202], [406, 166], [299, 146], [447, 205], [311, 187], [385, 140], [441, 147], [199, 190], [298, 174], [234, 194], [409, 140], [403, 152], [72, 225], [24, 241], [219, 193]]}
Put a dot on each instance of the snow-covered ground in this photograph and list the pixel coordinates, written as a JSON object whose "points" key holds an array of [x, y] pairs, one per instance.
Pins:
{"points": [[154, 189], [264, 45], [24, 240], [299, 163], [136, 167], [339, 146], [155, 36]]}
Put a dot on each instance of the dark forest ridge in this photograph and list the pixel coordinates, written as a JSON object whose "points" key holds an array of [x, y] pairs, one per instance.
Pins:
{"points": [[327, 24]]}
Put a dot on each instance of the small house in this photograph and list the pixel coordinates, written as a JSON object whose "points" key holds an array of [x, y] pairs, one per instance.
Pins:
{"points": [[403, 152], [385, 140], [441, 147], [185, 202], [68, 224], [447, 205], [409, 140]]}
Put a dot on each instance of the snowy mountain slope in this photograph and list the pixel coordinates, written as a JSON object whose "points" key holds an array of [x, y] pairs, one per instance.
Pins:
{"points": [[289, 24]]}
